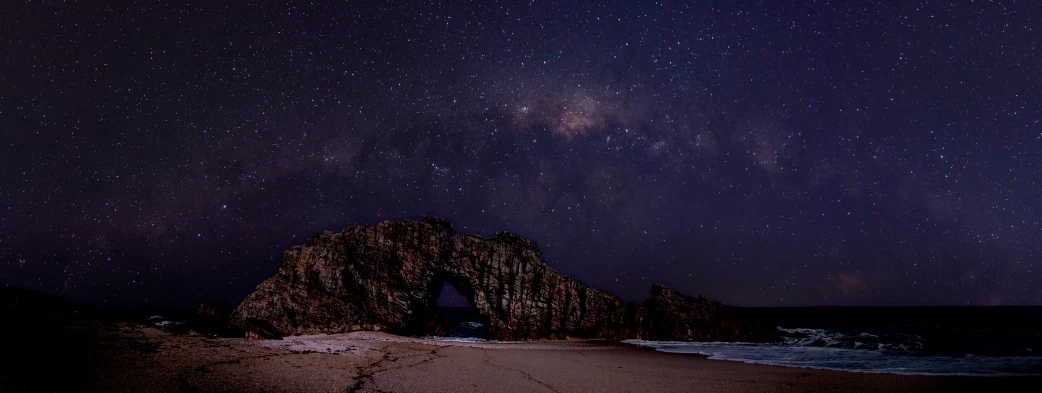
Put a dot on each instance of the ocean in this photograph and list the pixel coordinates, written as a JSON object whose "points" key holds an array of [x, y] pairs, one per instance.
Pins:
{"points": [[982, 341]]}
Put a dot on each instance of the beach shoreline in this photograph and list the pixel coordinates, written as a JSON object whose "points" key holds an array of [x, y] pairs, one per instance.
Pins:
{"points": [[128, 357]]}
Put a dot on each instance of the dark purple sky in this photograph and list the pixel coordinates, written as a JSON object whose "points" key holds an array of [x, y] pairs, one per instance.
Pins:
{"points": [[846, 153]]}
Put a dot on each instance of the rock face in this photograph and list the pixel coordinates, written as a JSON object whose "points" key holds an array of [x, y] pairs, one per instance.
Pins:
{"points": [[388, 277]]}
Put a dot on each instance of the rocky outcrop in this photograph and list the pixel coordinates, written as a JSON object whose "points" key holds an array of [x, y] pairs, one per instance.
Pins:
{"points": [[672, 316], [17, 302], [388, 277], [212, 318]]}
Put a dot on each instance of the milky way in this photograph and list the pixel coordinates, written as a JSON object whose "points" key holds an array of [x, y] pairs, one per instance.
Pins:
{"points": [[845, 153]]}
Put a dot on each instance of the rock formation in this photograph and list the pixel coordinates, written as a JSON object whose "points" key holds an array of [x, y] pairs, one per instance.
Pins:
{"points": [[211, 318], [388, 277], [672, 316]]}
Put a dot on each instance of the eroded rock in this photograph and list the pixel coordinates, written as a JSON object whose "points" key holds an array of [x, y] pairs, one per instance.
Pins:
{"points": [[388, 277]]}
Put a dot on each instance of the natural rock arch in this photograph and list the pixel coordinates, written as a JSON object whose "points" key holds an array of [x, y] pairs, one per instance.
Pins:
{"points": [[388, 276]]}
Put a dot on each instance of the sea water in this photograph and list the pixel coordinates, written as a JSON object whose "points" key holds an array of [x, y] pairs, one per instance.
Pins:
{"points": [[855, 359], [982, 341]]}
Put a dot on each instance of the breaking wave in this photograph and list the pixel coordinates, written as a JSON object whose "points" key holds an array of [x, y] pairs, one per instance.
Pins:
{"points": [[896, 352]]}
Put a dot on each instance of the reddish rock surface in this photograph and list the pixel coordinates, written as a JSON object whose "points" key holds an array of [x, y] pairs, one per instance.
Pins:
{"points": [[388, 277]]}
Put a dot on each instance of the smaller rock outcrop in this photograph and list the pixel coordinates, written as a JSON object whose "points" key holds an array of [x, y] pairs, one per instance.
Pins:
{"points": [[212, 318], [672, 316], [17, 302]]}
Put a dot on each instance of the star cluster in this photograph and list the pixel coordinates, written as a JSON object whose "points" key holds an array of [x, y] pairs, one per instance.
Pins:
{"points": [[822, 153]]}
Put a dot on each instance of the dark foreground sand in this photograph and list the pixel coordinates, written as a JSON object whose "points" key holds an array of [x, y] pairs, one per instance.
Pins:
{"points": [[124, 357]]}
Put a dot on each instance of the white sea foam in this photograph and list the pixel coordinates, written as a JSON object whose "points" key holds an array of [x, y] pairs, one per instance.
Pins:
{"points": [[161, 322], [855, 360], [462, 339]]}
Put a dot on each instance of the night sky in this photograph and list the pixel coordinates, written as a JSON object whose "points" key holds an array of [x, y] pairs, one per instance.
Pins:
{"points": [[774, 153]]}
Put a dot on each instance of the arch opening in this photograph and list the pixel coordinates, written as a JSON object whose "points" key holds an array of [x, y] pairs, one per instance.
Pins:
{"points": [[447, 310], [464, 319]]}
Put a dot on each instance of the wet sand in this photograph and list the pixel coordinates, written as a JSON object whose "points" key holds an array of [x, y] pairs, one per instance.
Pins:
{"points": [[125, 357]]}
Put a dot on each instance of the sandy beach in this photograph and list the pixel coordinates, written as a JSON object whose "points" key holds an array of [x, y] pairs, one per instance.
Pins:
{"points": [[127, 357]]}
